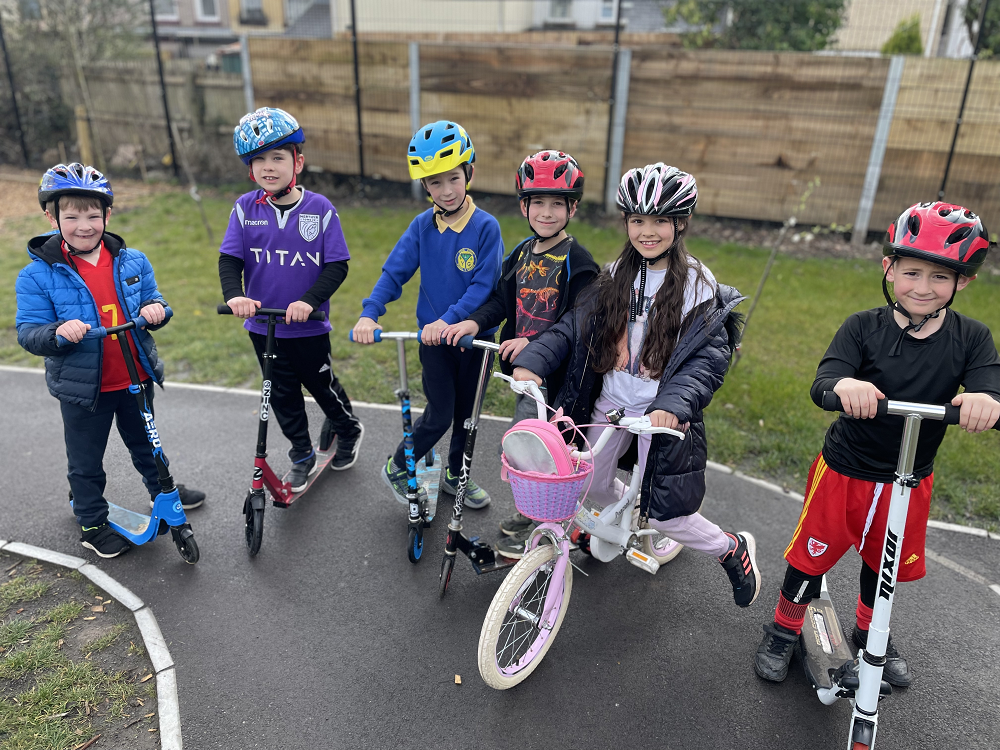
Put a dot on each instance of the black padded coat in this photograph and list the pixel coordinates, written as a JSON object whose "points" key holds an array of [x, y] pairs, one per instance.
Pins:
{"points": [[674, 482]]}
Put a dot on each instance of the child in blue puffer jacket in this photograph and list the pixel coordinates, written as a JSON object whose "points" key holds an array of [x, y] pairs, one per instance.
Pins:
{"points": [[80, 277]]}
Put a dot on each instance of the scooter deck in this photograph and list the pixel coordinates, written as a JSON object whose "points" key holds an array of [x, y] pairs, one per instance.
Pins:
{"points": [[322, 462], [129, 520], [429, 478], [823, 648]]}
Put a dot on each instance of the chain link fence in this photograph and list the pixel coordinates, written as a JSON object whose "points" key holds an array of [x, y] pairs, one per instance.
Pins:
{"points": [[840, 138]]}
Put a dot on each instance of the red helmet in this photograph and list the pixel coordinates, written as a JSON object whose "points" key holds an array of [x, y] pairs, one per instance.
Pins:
{"points": [[941, 233], [549, 173]]}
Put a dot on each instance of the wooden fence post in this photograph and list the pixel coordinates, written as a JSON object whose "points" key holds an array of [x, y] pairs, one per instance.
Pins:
{"points": [[83, 135], [418, 190], [248, 99], [877, 154], [617, 145]]}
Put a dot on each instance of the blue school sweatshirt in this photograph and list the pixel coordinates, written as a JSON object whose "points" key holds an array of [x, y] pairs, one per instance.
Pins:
{"points": [[459, 267]]}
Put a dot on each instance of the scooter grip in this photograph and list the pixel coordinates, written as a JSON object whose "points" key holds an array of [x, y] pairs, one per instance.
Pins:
{"points": [[377, 332], [224, 309], [831, 402], [466, 341]]}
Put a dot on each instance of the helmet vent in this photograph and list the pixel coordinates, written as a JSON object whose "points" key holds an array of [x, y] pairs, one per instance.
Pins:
{"points": [[958, 235], [413, 149], [944, 211], [427, 134], [969, 214], [448, 138], [913, 224], [529, 171], [450, 126], [559, 171], [449, 152], [415, 161], [545, 156]]}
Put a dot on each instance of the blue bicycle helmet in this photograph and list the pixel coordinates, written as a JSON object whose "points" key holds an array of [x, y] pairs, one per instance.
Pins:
{"points": [[265, 129], [439, 147], [74, 179]]}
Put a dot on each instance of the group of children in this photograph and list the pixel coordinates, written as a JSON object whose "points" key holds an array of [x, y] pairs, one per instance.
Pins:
{"points": [[653, 334]]}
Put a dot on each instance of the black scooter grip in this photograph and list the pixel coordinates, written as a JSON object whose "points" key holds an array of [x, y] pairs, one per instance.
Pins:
{"points": [[831, 402], [224, 309]]}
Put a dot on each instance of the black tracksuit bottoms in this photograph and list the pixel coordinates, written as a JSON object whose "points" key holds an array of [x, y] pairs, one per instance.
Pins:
{"points": [[305, 361], [449, 379]]}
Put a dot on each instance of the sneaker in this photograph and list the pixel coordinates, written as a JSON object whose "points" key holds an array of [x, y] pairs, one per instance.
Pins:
{"points": [[580, 539], [396, 478], [741, 566], [190, 499], [513, 546], [515, 524], [298, 477], [775, 652], [104, 540], [476, 497], [347, 450], [896, 671]]}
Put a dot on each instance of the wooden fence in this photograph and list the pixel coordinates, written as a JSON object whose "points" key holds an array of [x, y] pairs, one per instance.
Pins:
{"points": [[756, 128]]}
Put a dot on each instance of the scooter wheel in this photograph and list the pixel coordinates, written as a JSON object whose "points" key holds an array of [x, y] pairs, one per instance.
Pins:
{"points": [[415, 544], [185, 543], [254, 529], [447, 564]]}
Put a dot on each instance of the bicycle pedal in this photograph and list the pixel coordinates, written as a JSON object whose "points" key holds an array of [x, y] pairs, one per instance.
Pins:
{"points": [[639, 560]]}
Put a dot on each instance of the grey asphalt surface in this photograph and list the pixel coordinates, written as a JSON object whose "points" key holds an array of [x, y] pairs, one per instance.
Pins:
{"points": [[330, 638]]}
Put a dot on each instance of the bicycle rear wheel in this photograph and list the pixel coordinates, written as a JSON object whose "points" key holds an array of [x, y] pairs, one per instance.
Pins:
{"points": [[513, 640]]}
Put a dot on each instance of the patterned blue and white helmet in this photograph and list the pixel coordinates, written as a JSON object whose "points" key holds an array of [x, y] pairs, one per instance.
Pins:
{"points": [[265, 129], [74, 179]]}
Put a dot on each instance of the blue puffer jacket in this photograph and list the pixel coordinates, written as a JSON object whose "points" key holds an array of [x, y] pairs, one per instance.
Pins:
{"points": [[50, 292]]}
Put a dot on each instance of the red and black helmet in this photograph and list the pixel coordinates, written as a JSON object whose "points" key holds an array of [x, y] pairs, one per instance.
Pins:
{"points": [[549, 173], [942, 233]]}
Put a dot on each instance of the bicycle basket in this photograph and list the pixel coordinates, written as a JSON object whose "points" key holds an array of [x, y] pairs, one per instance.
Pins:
{"points": [[547, 497]]}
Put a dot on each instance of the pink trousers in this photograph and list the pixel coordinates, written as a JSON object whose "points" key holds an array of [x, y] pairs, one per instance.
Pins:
{"points": [[693, 531]]}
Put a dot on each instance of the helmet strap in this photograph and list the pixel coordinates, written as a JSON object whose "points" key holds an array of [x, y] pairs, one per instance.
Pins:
{"points": [[897, 347], [526, 201], [69, 248], [635, 302], [277, 194]]}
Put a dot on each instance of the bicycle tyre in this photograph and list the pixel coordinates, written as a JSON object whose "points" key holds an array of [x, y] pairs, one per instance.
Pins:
{"points": [[501, 628], [663, 554]]}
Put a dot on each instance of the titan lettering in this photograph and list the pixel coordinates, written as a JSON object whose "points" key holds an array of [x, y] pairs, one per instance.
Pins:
{"points": [[296, 259], [888, 566]]}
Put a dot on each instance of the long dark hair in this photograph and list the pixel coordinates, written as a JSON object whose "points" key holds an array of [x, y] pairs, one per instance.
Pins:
{"points": [[613, 293]]}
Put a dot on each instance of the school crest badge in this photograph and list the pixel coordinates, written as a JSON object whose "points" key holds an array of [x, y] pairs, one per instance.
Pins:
{"points": [[309, 226], [816, 547], [465, 259]]}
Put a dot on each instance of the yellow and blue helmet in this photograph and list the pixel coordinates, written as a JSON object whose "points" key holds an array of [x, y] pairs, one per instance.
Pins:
{"points": [[265, 129], [439, 147]]}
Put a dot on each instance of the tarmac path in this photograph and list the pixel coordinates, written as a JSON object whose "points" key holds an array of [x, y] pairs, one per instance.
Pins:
{"points": [[330, 638]]}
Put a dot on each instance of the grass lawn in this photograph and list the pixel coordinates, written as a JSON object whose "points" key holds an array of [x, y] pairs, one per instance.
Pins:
{"points": [[762, 421]]}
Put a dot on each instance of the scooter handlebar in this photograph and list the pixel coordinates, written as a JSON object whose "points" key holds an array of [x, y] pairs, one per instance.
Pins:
{"points": [[100, 332], [466, 342], [264, 312], [377, 332], [946, 413]]}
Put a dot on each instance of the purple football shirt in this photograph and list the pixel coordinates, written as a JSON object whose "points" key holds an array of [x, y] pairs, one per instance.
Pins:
{"points": [[284, 254]]}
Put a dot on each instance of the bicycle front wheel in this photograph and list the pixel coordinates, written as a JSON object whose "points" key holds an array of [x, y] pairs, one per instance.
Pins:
{"points": [[514, 640]]}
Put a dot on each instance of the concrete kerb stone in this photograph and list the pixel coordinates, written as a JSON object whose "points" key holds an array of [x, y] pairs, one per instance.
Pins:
{"points": [[163, 663]]}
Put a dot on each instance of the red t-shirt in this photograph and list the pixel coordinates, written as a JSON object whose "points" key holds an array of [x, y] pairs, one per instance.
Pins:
{"points": [[100, 280]]}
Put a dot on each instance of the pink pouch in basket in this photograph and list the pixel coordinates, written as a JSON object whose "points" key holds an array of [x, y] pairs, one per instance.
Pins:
{"points": [[537, 446]]}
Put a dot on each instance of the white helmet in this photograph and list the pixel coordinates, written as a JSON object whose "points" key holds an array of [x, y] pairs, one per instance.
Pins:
{"points": [[658, 190]]}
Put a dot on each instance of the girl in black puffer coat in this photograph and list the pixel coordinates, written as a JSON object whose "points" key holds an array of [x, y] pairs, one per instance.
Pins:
{"points": [[653, 335]]}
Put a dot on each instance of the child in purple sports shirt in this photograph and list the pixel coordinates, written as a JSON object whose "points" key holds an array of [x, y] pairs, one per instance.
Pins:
{"points": [[285, 243]]}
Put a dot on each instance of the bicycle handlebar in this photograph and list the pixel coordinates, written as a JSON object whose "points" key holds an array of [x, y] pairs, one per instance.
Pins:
{"points": [[466, 342], [267, 312], [100, 332], [944, 413]]}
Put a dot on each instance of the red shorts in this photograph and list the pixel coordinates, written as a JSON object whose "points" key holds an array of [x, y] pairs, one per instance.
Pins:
{"points": [[840, 513]]}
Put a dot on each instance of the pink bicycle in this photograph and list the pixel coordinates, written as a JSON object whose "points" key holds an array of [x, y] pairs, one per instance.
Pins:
{"points": [[528, 609]]}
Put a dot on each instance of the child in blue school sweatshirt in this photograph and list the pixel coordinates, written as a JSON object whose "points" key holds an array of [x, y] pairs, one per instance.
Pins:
{"points": [[458, 249]]}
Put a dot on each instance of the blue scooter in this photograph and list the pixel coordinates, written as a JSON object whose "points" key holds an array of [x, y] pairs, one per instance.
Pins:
{"points": [[167, 511]]}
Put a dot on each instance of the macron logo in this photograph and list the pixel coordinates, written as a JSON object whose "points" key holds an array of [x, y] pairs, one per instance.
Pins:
{"points": [[256, 222]]}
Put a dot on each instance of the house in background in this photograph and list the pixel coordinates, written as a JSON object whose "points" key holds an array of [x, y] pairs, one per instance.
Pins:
{"points": [[868, 24]]}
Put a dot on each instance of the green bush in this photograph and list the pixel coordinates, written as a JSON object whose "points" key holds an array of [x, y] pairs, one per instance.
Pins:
{"points": [[905, 40]]}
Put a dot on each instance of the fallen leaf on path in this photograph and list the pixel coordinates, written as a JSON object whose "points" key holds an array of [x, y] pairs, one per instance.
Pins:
{"points": [[89, 618], [97, 608], [147, 677], [458, 679], [20, 611]]}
